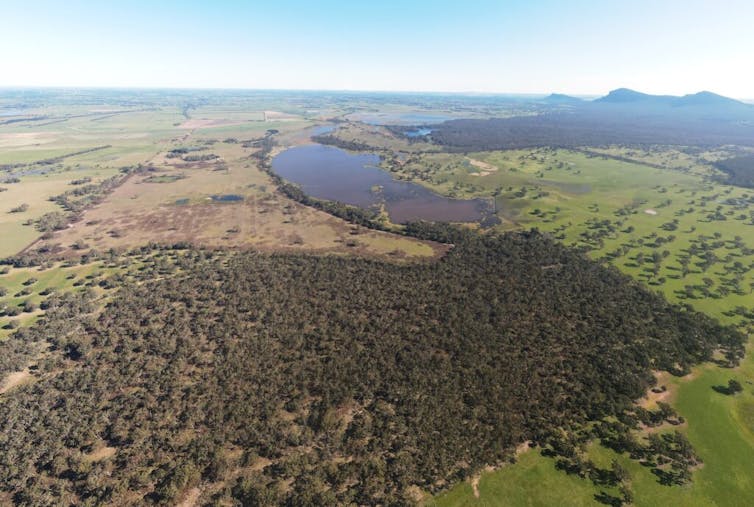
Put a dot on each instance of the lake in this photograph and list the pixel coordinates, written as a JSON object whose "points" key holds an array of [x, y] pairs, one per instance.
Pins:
{"points": [[330, 173]]}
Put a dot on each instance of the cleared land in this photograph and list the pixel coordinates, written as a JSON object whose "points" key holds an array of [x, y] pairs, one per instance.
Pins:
{"points": [[181, 199], [225, 203]]}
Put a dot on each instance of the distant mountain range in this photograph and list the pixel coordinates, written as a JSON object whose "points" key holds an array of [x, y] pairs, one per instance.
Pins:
{"points": [[622, 116], [626, 96], [559, 98], [703, 99]]}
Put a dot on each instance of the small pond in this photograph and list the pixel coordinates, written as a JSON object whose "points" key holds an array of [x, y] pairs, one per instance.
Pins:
{"points": [[321, 130], [418, 132], [227, 198]]}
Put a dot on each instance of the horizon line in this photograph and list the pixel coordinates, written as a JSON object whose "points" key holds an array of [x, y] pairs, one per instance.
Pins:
{"points": [[468, 93]]}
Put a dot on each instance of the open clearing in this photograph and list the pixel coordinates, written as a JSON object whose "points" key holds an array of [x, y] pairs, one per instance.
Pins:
{"points": [[15, 379], [35, 191], [181, 208], [191, 209], [203, 124]]}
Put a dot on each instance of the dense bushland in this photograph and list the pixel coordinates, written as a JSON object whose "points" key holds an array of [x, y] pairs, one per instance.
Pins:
{"points": [[739, 170], [306, 380]]}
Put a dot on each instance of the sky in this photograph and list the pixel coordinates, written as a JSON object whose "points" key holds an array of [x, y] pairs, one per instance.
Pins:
{"points": [[489, 46]]}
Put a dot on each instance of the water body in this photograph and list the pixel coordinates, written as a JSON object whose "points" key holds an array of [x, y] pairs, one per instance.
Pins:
{"points": [[402, 118], [419, 132], [330, 173], [227, 198], [320, 130]]}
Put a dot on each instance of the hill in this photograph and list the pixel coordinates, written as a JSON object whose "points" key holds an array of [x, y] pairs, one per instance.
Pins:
{"points": [[627, 96], [702, 99], [559, 98], [710, 99], [623, 116]]}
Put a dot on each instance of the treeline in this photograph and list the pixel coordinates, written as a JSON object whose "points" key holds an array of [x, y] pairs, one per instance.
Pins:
{"points": [[200, 158], [73, 202], [55, 160], [52, 160], [304, 380], [352, 214], [336, 141], [183, 150], [81, 197], [739, 170], [588, 127]]}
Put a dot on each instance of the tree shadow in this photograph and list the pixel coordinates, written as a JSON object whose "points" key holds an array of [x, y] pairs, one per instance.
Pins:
{"points": [[608, 499]]}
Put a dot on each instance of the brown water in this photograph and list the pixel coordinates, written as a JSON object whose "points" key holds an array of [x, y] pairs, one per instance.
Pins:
{"points": [[330, 173]]}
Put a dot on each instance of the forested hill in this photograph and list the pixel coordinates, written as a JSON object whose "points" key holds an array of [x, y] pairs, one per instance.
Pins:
{"points": [[622, 117], [311, 380], [591, 127]]}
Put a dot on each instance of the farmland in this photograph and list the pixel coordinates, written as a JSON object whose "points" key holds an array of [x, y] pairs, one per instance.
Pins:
{"points": [[170, 200]]}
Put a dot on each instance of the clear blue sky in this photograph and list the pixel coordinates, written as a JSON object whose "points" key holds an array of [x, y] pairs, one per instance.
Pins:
{"points": [[570, 46]]}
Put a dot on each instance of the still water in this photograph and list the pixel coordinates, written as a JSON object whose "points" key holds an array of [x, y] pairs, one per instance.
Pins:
{"points": [[330, 173]]}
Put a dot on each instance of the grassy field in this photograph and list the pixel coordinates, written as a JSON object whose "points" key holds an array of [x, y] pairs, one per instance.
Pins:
{"points": [[174, 202], [719, 427], [532, 481], [34, 285], [183, 202], [34, 191]]}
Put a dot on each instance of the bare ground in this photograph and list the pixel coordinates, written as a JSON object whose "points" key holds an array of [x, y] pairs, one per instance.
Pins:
{"points": [[15, 379], [486, 169], [191, 498], [137, 213]]}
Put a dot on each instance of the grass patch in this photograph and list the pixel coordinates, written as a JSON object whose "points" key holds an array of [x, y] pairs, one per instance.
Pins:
{"points": [[164, 178], [532, 481]]}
